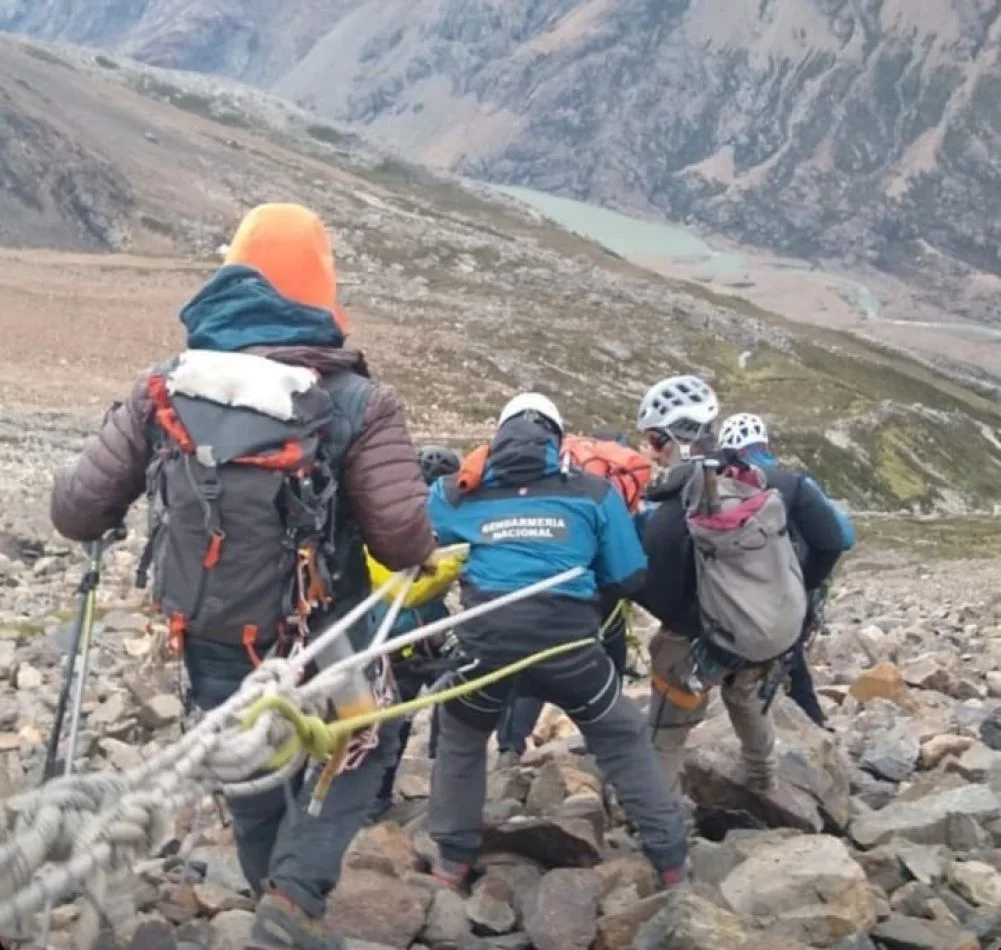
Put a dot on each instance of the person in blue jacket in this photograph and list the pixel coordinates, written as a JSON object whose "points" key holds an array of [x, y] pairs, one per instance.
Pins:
{"points": [[526, 518], [747, 434], [523, 711]]}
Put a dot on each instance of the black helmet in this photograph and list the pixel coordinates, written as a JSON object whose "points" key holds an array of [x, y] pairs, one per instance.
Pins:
{"points": [[436, 461]]}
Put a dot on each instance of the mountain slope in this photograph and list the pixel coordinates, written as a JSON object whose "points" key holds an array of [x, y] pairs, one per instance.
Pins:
{"points": [[458, 300], [867, 132]]}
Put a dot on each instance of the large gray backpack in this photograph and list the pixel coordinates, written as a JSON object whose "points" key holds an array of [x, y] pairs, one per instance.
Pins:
{"points": [[752, 600], [242, 491]]}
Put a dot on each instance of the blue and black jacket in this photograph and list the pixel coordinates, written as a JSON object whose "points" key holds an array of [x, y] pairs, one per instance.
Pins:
{"points": [[760, 456], [527, 521]]}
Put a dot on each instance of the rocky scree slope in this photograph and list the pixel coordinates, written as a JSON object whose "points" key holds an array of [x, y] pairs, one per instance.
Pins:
{"points": [[887, 837], [863, 132], [449, 288]]}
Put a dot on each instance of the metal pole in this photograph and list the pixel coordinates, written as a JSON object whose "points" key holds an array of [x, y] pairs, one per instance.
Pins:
{"points": [[82, 640]]}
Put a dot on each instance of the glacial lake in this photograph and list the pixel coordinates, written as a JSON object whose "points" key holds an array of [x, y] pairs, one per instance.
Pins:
{"points": [[638, 238]]}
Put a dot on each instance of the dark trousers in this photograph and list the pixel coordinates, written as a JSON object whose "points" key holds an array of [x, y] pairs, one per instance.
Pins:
{"points": [[409, 687], [279, 846], [585, 684], [801, 688], [523, 709]]}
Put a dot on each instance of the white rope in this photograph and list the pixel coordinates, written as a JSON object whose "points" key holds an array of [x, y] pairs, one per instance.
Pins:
{"points": [[80, 832]]}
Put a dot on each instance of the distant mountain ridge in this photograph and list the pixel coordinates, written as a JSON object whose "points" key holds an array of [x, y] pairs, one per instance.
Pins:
{"points": [[866, 131]]}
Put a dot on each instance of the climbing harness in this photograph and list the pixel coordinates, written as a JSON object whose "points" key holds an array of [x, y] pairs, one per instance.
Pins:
{"points": [[79, 834]]}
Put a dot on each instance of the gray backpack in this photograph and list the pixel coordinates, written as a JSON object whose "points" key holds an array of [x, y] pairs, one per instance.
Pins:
{"points": [[242, 491], [752, 600]]}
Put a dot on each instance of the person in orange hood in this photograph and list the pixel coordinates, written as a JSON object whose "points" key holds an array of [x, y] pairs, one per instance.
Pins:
{"points": [[276, 297]]}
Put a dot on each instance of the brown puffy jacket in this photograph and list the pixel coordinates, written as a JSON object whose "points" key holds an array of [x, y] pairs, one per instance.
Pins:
{"points": [[382, 482]]}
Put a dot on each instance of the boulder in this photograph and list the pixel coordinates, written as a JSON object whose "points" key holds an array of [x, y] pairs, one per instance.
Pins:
{"points": [[367, 905], [928, 671], [548, 790], [934, 750], [617, 930], [891, 754], [927, 820], [909, 933], [990, 730], [624, 882], [690, 920], [490, 908], [976, 882], [522, 878], [161, 711], [231, 930], [883, 681], [977, 764], [383, 847], [808, 887], [813, 793], [447, 923], [551, 842], [565, 916]]}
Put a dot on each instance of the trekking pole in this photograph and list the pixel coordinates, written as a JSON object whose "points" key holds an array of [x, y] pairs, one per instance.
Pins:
{"points": [[82, 639], [81, 643]]}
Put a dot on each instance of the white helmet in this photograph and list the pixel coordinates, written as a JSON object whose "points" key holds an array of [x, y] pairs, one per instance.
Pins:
{"points": [[534, 403], [682, 404], [741, 430]]}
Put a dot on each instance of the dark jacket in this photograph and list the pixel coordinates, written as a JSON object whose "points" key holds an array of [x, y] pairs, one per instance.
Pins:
{"points": [[381, 482], [528, 521], [670, 593]]}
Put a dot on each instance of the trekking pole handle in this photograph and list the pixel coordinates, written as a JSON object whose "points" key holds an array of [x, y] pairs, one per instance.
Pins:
{"points": [[710, 469]]}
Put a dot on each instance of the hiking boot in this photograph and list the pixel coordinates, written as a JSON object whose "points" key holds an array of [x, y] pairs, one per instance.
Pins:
{"points": [[454, 874], [380, 808], [508, 759], [281, 925], [675, 877]]}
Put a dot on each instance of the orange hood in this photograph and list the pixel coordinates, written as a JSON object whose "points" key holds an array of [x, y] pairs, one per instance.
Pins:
{"points": [[289, 246]]}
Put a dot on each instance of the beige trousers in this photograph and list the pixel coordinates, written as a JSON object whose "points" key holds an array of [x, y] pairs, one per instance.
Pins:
{"points": [[674, 712]]}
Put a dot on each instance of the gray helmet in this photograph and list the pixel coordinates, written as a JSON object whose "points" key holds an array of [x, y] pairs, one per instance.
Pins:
{"points": [[437, 461]]}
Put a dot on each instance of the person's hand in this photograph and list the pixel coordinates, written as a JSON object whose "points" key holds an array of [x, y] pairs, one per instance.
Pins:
{"points": [[430, 565]]}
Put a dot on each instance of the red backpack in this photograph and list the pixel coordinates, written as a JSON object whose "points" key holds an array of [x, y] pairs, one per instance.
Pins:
{"points": [[628, 470]]}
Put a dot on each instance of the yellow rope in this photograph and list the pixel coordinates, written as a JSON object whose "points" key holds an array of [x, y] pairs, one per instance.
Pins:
{"points": [[318, 738]]}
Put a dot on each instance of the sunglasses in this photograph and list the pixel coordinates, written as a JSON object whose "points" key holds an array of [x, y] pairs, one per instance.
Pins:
{"points": [[683, 436]]}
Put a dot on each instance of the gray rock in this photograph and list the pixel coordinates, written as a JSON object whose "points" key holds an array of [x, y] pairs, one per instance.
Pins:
{"points": [[161, 711], [909, 933], [447, 924], [490, 907], [565, 917], [807, 887], [523, 880], [926, 820], [990, 730], [558, 842], [110, 712], [814, 787], [547, 792], [891, 754], [231, 930]]}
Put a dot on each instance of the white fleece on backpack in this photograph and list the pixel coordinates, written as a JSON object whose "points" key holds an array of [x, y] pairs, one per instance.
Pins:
{"points": [[240, 379]]}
